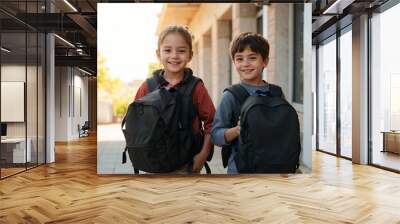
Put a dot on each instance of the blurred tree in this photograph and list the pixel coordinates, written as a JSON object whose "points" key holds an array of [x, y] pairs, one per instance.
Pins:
{"points": [[120, 107], [102, 72], [119, 92], [152, 67], [104, 81]]}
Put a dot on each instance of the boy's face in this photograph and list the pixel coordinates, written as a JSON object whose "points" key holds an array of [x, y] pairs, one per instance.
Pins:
{"points": [[249, 65], [174, 53]]}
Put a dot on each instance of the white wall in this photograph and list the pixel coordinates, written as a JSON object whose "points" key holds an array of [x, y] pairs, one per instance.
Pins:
{"points": [[14, 73], [80, 97], [61, 103], [12, 101], [71, 88], [33, 105]]}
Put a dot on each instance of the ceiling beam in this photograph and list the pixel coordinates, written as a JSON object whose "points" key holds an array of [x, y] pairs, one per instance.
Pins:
{"points": [[83, 23], [83, 61]]}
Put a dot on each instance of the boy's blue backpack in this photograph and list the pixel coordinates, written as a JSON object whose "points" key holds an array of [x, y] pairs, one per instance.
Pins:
{"points": [[158, 127], [269, 140]]}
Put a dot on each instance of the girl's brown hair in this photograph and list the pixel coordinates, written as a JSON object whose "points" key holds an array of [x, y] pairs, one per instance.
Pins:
{"points": [[183, 31]]}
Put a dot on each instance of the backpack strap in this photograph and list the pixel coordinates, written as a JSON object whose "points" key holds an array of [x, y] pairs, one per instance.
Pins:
{"points": [[239, 92], [156, 80], [275, 90], [126, 148], [188, 83], [187, 88], [152, 84], [124, 132], [192, 83]]}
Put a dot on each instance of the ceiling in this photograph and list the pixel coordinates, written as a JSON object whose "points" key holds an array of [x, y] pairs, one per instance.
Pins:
{"points": [[329, 16], [73, 21]]}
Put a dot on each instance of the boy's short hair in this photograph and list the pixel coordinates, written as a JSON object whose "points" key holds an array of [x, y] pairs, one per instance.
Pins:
{"points": [[254, 41]]}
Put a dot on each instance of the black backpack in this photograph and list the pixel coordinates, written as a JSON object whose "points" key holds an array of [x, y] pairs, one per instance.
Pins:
{"points": [[158, 127], [269, 140]]}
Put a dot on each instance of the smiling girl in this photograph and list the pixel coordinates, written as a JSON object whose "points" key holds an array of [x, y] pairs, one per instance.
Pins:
{"points": [[174, 53]]}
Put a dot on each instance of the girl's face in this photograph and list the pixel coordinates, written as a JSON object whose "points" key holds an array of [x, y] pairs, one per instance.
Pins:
{"points": [[174, 53]]}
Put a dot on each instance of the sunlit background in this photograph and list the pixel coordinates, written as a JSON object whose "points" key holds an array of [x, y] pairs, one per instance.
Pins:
{"points": [[126, 43]]}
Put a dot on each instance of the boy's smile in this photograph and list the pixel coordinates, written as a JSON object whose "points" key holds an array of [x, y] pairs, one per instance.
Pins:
{"points": [[248, 71], [250, 65]]}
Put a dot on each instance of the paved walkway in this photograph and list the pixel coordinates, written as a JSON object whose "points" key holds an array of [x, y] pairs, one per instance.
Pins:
{"points": [[110, 145]]}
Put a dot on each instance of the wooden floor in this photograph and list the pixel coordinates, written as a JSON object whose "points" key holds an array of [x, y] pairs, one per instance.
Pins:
{"points": [[387, 159], [70, 191], [10, 171]]}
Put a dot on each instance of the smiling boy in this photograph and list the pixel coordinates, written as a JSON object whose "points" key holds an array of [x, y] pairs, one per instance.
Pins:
{"points": [[249, 52]]}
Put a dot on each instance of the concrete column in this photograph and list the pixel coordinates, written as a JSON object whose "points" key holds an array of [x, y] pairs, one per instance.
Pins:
{"points": [[220, 39], [61, 103], [92, 110], [279, 40], [360, 90], [65, 119], [194, 64], [307, 115], [314, 97], [50, 99], [85, 99], [243, 20], [204, 62]]}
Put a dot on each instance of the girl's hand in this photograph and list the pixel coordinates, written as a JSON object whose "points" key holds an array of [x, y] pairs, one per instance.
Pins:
{"points": [[198, 162]]}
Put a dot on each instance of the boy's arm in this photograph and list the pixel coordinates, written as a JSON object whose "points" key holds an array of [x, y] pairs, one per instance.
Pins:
{"points": [[231, 133], [223, 131]]}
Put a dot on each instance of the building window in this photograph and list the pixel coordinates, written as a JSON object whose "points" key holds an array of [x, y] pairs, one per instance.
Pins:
{"points": [[346, 93], [260, 24], [327, 96], [334, 94], [260, 29], [385, 89], [298, 53], [22, 76]]}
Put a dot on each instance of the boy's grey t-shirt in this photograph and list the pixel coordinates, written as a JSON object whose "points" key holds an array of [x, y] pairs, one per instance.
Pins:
{"points": [[223, 117]]}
